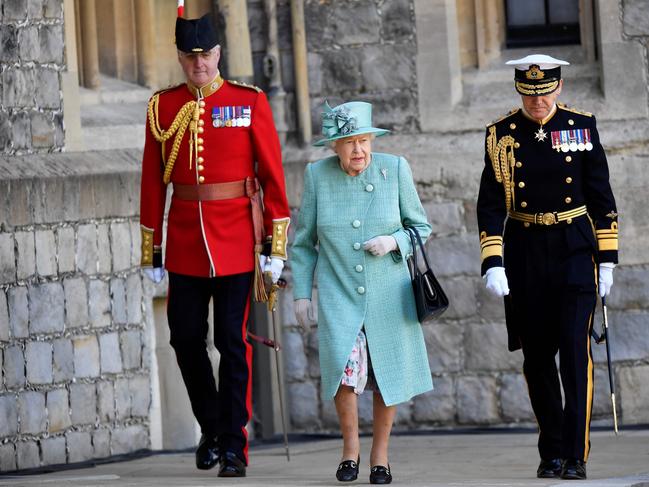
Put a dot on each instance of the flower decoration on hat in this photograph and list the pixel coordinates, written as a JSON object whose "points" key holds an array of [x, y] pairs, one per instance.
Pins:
{"points": [[338, 121]]}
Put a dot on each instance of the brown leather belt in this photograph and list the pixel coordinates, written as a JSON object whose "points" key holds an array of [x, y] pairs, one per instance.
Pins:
{"points": [[210, 192], [549, 218]]}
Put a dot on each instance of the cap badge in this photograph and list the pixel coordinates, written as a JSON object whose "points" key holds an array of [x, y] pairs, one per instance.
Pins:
{"points": [[534, 72]]}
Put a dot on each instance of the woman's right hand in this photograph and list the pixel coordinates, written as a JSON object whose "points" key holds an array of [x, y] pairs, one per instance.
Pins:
{"points": [[304, 313]]}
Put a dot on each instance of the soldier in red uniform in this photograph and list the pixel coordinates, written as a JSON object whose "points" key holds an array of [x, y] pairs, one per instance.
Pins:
{"points": [[215, 142]]}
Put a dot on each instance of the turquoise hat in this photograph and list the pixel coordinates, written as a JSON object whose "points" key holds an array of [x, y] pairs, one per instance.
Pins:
{"points": [[347, 120]]}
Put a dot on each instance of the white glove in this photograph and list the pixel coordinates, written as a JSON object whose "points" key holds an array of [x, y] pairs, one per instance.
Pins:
{"points": [[381, 245], [497, 281], [605, 278], [155, 274], [272, 265], [304, 313]]}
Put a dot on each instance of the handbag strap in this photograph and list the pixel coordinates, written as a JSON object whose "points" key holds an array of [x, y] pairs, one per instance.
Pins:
{"points": [[414, 234]]}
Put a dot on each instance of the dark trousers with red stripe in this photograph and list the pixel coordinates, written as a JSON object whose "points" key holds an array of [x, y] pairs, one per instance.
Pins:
{"points": [[221, 412], [552, 277]]}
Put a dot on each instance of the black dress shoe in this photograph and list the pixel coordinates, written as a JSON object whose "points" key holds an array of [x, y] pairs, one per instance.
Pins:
{"points": [[348, 470], [207, 453], [231, 466], [380, 475], [573, 469], [549, 469]]}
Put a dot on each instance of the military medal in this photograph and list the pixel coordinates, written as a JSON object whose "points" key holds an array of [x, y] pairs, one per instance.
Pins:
{"points": [[580, 140], [565, 147], [556, 140], [540, 134], [588, 144], [228, 117], [216, 117], [246, 116], [573, 141]]}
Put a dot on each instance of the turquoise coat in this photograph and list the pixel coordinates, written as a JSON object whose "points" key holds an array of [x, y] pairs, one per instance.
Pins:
{"points": [[355, 288]]}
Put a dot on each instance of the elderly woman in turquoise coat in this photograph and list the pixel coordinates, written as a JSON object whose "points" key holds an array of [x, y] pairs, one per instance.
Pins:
{"points": [[351, 239]]}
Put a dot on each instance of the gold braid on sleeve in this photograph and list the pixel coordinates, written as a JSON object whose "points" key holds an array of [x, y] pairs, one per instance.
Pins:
{"points": [[186, 116], [502, 158]]}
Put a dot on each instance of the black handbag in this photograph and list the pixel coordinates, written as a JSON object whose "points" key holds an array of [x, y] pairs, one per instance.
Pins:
{"points": [[430, 298]]}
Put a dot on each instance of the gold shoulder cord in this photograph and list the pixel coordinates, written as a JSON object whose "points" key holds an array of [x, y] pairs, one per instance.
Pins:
{"points": [[187, 116], [502, 158]]}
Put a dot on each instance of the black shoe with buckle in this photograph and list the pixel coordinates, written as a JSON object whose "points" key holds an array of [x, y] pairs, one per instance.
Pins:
{"points": [[573, 469], [380, 475], [231, 466], [549, 469], [207, 453], [348, 470]]}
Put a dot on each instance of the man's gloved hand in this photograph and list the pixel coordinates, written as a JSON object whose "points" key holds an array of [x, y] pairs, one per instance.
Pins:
{"points": [[304, 313], [155, 274], [605, 278], [497, 281], [381, 245], [272, 265]]}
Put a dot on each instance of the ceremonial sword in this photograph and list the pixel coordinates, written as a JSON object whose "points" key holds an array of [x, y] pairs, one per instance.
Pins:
{"points": [[605, 338]]}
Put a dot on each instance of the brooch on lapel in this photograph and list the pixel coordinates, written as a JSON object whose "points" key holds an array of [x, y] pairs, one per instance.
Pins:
{"points": [[385, 173]]}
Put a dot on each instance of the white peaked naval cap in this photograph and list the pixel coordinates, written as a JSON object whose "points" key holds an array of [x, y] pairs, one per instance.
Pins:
{"points": [[543, 61]]}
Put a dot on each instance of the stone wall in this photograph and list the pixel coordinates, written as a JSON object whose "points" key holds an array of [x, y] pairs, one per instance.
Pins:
{"points": [[363, 49], [74, 381], [31, 61]]}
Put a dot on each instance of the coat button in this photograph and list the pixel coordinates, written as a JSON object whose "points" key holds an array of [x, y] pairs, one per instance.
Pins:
{"points": [[568, 158], [519, 164], [201, 168], [201, 123], [356, 223], [201, 103], [571, 122], [357, 246], [201, 111], [369, 188], [516, 145], [200, 160], [521, 184], [201, 130], [568, 199], [568, 180], [512, 126], [201, 179], [359, 268], [523, 204], [360, 290]]}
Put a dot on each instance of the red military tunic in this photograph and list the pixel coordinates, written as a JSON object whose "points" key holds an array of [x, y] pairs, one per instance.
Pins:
{"points": [[211, 238]]}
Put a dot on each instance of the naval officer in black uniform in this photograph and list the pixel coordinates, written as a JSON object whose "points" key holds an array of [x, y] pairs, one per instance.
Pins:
{"points": [[548, 236]]}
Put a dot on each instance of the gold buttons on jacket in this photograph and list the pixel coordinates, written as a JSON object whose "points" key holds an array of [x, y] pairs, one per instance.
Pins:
{"points": [[200, 141], [571, 122], [512, 126], [201, 168], [526, 224], [568, 180], [200, 148], [519, 164], [201, 111], [200, 130], [201, 179], [201, 123], [360, 290], [201, 103], [516, 145], [523, 204], [356, 223], [521, 184], [568, 199], [359, 268], [200, 160], [568, 158], [357, 246], [569, 221]]}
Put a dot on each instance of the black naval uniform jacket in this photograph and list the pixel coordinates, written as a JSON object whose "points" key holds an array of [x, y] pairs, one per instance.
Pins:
{"points": [[545, 173]]}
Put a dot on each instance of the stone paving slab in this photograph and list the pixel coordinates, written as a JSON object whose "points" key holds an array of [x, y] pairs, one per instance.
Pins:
{"points": [[436, 460]]}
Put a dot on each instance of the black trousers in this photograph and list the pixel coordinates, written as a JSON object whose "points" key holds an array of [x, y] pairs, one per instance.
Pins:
{"points": [[224, 412], [552, 276]]}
